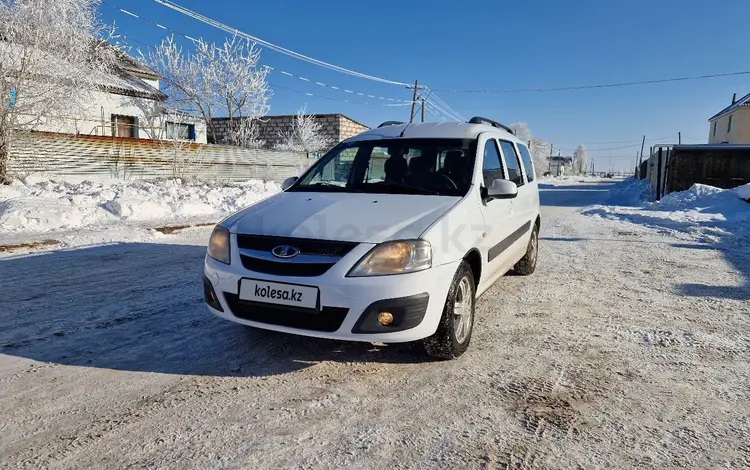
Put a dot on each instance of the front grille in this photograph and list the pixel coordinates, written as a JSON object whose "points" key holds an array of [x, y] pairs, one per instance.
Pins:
{"points": [[314, 259], [327, 319], [287, 268], [305, 245]]}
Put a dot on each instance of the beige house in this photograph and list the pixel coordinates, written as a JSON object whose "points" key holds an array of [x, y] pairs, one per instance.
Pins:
{"points": [[732, 124]]}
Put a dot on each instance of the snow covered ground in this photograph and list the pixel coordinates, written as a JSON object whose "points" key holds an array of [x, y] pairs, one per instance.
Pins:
{"points": [[85, 212], [629, 348], [702, 213]]}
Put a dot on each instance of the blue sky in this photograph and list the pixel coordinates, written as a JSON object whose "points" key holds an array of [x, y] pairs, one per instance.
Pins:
{"points": [[497, 45]]}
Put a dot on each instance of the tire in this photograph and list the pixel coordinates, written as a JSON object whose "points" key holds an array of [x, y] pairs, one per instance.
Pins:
{"points": [[453, 335], [527, 265]]}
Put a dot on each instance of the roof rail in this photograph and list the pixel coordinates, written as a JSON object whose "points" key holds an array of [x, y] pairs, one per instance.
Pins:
{"points": [[390, 123], [484, 120]]}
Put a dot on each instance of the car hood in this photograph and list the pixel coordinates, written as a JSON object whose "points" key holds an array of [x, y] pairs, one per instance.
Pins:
{"points": [[354, 217]]}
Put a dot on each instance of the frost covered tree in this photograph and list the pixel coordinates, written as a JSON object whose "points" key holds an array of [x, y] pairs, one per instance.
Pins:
{"points": [[213, 80], [53, 55], [540, 153], [579, 159], [246, 133], [305, 135], [538, 148], [521, 130]]}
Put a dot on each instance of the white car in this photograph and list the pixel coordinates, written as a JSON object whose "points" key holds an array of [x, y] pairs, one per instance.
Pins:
{"points": [[389, 237]]}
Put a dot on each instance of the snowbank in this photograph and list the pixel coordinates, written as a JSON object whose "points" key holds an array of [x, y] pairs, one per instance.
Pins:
{"points": [[41, 205], [701, 212]]}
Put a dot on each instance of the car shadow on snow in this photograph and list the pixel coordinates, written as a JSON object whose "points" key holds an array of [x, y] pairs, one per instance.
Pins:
{"points": [[139, 307]]}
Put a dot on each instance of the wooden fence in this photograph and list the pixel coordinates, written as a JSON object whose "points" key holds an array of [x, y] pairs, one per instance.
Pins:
{"points": [[724, 166]]}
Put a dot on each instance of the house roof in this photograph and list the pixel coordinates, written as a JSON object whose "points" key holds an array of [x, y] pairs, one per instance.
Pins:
{"points": [[121, 82], [742, 102], [126, 79], [134, 66]]}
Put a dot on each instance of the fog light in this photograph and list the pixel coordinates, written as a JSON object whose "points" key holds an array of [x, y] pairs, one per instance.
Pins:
{"points": [[385, 318]]}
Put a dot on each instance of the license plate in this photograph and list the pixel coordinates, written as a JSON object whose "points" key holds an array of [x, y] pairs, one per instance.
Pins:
{"points": [[279, 293]]}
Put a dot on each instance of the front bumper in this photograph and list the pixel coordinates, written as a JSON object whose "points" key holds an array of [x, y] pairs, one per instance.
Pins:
{"points": [[348, 306]]}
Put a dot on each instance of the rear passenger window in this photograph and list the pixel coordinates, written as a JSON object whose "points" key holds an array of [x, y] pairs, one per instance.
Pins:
{"points": [[527, 165], [511, 160], [492, 167]]}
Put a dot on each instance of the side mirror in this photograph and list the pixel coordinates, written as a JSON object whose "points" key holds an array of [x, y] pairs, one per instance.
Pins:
{"points": [[502, 189], [288, 182]]}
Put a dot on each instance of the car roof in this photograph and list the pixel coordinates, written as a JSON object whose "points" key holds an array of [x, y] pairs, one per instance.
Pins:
{"points": [[427, 130]]}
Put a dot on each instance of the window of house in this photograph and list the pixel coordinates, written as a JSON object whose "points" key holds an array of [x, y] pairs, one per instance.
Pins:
{"points": [[124, 126], [526, 158], [492, 166], [180, 131], [729, 126], [512, 162]]}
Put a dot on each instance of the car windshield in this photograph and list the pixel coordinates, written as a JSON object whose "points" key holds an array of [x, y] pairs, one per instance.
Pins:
{"points": [[397, 166]]}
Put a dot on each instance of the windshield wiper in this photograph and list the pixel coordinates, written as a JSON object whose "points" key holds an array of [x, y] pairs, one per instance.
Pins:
{"points": [[327, 187], [414, 189]]}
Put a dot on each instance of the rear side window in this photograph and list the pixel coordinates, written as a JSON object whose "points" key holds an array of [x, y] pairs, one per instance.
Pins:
{"points": [[511, 161], [527, 165], [492, 167]]}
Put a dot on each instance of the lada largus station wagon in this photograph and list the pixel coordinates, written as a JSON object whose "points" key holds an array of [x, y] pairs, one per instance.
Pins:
{"points": [[389, 237]]}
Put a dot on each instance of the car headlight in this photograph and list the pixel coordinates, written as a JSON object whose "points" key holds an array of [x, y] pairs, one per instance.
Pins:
{"points": [[218, 244], [398, 257]]}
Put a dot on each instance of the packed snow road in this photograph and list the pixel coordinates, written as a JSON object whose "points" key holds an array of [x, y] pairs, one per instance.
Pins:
{"points": [[628, 348]]}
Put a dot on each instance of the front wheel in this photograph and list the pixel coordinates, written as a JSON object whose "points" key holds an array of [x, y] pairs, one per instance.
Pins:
{"points": [[457, 323]]}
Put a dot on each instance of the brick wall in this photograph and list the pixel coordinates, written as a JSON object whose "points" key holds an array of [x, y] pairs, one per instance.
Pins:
{"points": [[336, 127]]}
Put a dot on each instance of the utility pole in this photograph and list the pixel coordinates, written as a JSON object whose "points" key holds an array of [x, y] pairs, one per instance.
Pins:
{"points": [[423, 103], [679, 138], [414, 101], [549, 168], [643, 144]]}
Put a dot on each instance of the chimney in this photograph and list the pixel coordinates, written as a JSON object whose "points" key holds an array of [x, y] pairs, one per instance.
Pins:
{"points": [[734, 98]]}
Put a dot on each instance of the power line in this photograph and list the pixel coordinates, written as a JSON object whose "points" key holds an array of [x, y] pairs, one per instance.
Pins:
{"points": [[615, 148], [442, 104], [279, 87], [438, 103], [274, 86], [607, 85], [284, 72], [216, 24]]}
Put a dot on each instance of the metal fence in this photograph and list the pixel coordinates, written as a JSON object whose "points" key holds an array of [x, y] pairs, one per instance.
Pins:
{"points": [[128, 158]]}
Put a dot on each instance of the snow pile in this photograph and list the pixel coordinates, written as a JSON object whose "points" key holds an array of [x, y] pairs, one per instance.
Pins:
{"points": [[630, 192], [701, 212], [41, 205]]}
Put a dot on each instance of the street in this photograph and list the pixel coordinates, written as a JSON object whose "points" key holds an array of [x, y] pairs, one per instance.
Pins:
{"points": [[627, 348]]}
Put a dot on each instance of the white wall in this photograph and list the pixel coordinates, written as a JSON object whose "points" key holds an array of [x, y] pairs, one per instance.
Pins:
{"points": [[97, 118]]}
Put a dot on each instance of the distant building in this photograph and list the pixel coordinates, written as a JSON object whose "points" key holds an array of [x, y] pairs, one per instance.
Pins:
{"points": [[731, 124], [559, 165], [336, 127], [128, 103]]}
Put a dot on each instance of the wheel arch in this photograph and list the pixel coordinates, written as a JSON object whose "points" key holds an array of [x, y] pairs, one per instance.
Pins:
{"points": [[474, 259]]}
